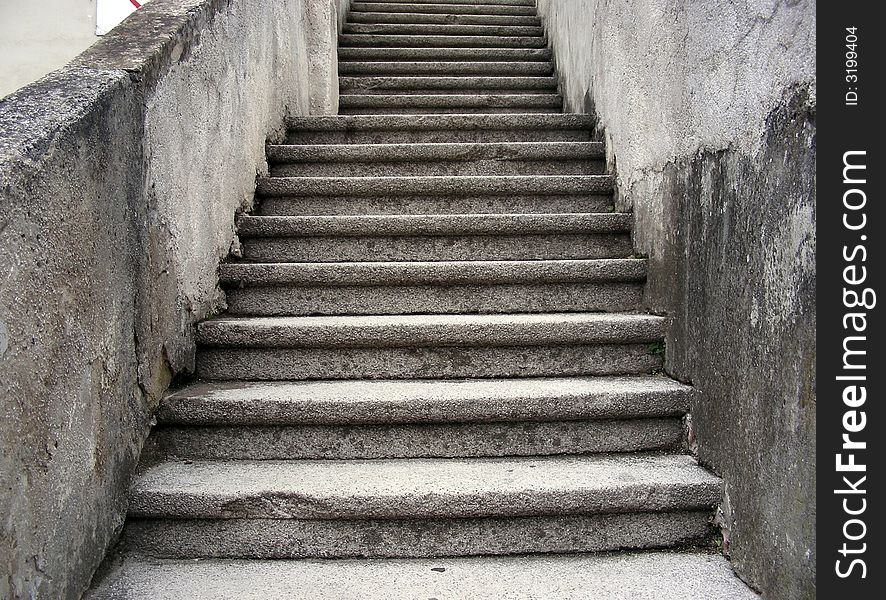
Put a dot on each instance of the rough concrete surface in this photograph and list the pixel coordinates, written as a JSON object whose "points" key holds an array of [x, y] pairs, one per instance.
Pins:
{"points": [[365, 402], [709, 114], [422, 488], [665, 576], [417, 440], [406, 538], [120, 177]]}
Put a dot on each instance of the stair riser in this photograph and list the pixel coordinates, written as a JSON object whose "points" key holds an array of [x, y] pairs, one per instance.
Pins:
{"points": [[438, 186], [435, 84], [432, 54], [453, 103], [423, 205], [443, 8], [436, 248], [437, 136], [419, 29], [432, 299], [530, 3], [425, 69], [370, 40], [416, 440], [270, 538], [443, 19], [424, 362], [502, 166], [448, 111]]}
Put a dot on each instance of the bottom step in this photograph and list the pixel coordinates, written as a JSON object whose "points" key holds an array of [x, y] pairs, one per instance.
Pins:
{"points": [[641, 576]]}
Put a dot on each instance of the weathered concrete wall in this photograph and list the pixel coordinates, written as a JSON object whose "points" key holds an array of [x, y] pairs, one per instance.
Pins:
{"points": [[120, 176], [39, 37], [709, 111]]}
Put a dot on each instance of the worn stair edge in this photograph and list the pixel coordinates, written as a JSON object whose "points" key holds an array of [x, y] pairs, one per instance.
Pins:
{"points": [[441, 122], [420, 401], [489, 68], [436, 41], [396, 331], [365, 53], [423, 488], [425, 273], [441, 151], [442, 19], [425, 440], [442, 8], [618, 576], [435, 184]]}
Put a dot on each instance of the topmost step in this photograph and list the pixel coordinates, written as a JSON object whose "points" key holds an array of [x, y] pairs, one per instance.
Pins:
{"points": [[441, 8], [472, 2]]}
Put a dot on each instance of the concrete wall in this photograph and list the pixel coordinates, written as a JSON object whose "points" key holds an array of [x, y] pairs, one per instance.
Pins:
{"points": [[39, 37], [709, 113], [119, 179]]}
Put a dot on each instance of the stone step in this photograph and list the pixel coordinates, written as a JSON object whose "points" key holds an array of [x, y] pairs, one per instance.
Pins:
{"points": [[445, 29], [403, 402], [448, 103], [445, 54], [501, 68], [303, 289], [404, 6], [435, 185], [622, 576], [428, 346], [442, 19], [395, 419], [372, 129], [446, 204], [530, 3], [375, 40], [496, 158], [418, 507], [447, 85], [435, 237]]}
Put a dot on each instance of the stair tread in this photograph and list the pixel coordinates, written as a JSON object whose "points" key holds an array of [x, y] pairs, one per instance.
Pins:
{"points": [[380, 331], [417, 401], [427, 487], [617, 576]]}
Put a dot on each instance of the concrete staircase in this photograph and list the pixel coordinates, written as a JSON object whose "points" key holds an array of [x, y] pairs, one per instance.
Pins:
{"points": [[433, 348]]}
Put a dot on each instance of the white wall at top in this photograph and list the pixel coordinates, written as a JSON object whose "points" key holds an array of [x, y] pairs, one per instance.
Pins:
{"points": [[37, 37], [109, 13]]}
